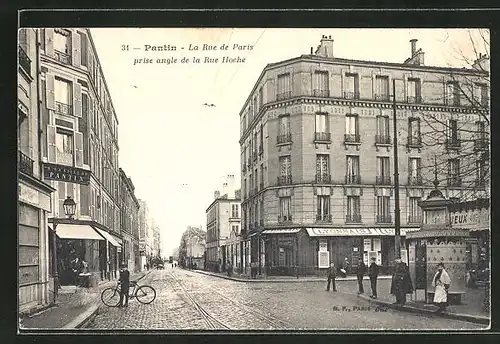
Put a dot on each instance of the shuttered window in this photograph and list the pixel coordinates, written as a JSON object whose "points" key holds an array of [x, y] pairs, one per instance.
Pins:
{"points": [[29, 244]]}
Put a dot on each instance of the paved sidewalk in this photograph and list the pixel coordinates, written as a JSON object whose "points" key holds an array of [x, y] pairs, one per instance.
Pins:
{"points": [[73, 307]]}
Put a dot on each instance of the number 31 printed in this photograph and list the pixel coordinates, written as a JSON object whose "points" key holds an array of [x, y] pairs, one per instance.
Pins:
{"points": [[124, 47]]}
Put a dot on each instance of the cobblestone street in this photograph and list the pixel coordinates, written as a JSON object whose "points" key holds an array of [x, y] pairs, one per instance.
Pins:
{"points": [[188, 300]]}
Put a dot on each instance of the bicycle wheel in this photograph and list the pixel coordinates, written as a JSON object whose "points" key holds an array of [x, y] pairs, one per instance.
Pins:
{"points": [[110, 297], [145, 294]]}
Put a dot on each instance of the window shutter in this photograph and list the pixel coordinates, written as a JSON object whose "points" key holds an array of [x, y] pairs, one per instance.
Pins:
{"points": [[77, 99], [49, 42], [75, 44], [78, 149], [49, 91], [51, 143]]}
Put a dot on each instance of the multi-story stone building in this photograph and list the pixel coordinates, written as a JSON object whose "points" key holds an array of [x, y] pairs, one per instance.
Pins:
{"points": [[129, 223], [223, 230], [79, 131], [144, 225], [34, 198], [317, 155]]}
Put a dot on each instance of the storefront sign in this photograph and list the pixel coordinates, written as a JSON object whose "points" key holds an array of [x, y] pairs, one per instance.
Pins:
{"points": [[66, 174], [356, 231], [323, 259], [471, 219]]}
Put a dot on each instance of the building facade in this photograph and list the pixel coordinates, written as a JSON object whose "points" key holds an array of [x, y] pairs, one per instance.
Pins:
{"points": [[80, 151], [223, 240], [144, 223], [195, 248], [34, 197], [129, 216], [317, 157]]}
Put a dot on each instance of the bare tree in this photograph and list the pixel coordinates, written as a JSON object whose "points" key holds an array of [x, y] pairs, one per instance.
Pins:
{"points": [[189, 234]]}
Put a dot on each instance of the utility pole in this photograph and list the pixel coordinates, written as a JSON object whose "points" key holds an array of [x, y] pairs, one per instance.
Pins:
{"points": [[397, 224]]}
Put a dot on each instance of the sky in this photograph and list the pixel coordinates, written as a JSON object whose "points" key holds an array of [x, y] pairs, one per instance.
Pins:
{"points": [[177, 151]]}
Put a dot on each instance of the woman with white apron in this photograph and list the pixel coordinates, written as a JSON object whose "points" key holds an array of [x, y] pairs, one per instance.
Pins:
{"points": [[441, 283]]}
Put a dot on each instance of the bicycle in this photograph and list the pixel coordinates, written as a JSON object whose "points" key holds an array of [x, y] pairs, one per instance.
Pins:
{"points": [[145, 294]]}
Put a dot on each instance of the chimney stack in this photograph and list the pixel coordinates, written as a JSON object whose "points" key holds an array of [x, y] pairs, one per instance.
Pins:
{"points": [[230, 186], [224, 189], [311, 50], [216, 194], [413, 43], [325, 48]]}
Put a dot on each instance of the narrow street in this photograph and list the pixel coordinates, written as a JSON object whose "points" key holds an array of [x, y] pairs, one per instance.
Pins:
{"points": [[190, 301]]}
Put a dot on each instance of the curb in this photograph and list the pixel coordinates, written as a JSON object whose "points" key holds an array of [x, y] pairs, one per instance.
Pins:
{"points": [[291, 280], [455, 316]]}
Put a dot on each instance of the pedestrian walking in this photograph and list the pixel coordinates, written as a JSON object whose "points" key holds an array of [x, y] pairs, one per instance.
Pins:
{"points": [[441, 283], [401, 282], [360, 273], [331, 277], [124, 285], [229, 268], [373, 274], [345, 267]]}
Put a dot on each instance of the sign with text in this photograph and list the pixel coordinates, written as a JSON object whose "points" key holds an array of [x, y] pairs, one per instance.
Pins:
{"points": [[471, 219], [323, 259], [355, 231], [66, 174]]}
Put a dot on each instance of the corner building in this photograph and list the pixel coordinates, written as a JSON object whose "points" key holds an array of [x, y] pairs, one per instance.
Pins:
{"points": [[317, 155]]}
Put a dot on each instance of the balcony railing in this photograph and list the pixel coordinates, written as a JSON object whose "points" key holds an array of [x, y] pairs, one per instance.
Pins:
{"points": [[351, 95], [62, 57], [414, 141], [382, 97], [415, 180], [455, 101], [453, 142], [382, 139], [415, 219], [414, 99], [284, 218], [481, 143], [24, 61], [383, 180], [353, 218], [323, 137], [285, 180], [353, 179], [454, 181], [384, 219], [352, 138], [64, 109], [25, 163], [324, 217], [321, 93], [284, 138], [323, 178], [284, 95]]}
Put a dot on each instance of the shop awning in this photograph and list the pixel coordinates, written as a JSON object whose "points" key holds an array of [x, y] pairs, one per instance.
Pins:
{"points": [[316, 232], [74, 231], [282, 231], [108, 237]]}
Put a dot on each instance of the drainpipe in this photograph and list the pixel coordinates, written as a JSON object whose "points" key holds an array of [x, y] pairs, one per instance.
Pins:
{"points": [[38, 103]]}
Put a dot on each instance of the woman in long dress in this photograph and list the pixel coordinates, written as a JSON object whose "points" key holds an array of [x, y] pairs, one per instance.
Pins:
{"points": [[441, 283]]}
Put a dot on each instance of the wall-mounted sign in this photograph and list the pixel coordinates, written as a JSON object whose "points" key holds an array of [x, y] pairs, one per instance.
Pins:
{"points": [[66, 174], [471, 219], [356, 231], [323, 259]]}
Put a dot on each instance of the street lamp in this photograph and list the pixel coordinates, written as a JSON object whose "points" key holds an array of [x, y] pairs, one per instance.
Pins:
{"points": [[69, 206]]}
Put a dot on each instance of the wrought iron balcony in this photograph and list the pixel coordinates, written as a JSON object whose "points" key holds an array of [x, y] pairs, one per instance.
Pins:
{"points": [[64, 109], [353, 179], [284, 138], [24, 61], [284, 95], [481, 143], [383, 180], [453, 142], [284, 218], [351, 95], [355, 138], [62, 57], [384, 219], [353, 218], [324, 217], [415, 180], [25, 163], [454, 181], [414, 141], [415, 219], [323, 178], [414, 99], [285, 180], [321, 93], [455, 101], [382, 139], [382, 97], [322, 137]]}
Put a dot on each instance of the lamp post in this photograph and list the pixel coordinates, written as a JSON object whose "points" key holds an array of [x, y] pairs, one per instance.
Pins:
{"points": [[69, 206]]}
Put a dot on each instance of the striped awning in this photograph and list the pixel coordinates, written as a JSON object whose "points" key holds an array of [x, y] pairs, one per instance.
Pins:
{"points": [[282, 231], [108, 237], [73, 231]]}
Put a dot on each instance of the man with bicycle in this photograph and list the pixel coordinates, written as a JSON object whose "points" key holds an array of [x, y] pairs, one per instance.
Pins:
{"points": [[124, 285]]}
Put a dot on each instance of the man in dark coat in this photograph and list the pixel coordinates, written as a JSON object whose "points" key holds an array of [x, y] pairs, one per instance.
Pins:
{"points": [[401, 282], [331, 277], [373, 274], [124, 285], [360, 272]]}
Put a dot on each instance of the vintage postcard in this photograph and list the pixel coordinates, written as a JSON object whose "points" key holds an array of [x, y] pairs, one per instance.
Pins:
{"points": [[253, 179]]}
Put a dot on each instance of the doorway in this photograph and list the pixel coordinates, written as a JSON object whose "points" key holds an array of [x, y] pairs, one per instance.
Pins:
{"points": [[420, 265]]}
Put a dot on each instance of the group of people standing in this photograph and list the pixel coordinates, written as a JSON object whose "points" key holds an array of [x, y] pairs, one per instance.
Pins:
{"points": [[373, 271]]}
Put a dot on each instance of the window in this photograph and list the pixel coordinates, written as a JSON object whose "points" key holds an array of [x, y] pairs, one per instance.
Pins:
{"points": [[353, 209], [481, 141], [261, 98], [63, 99], [62, 45], [481, 173], [351, 86], [481, 94], [414, 137], [452, 139], [322, 130], [383, 171], [322, 168], [452, 93], [255, 106], [352, 172], [454, 172], [262, 213], [285, 209], [414, 211], [382, 88], [29, 245], [383, 209], [323, 209], [262, 176], [320, 84], [261, 140], [284, 87], [414, 176], [413, 95], [83, 49], [83, 127], [64, 147], [285, 170], [351, 128], [382, 136], [284, 134]]}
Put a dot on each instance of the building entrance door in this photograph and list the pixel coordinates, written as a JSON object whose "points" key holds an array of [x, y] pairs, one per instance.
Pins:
{"points": [[285, 259]]}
